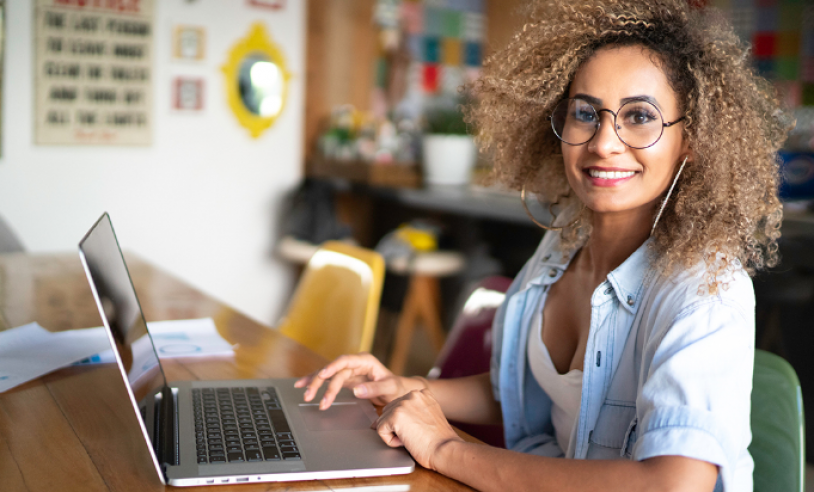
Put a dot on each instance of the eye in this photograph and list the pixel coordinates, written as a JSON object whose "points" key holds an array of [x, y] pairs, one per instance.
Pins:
{"points": [[584, 114], [639, 115]]}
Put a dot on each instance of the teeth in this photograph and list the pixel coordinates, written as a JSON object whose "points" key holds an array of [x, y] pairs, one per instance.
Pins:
{"points": [[610, 174]]}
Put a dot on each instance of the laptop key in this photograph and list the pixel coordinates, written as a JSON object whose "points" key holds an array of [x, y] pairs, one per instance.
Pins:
{"points": [[291, 456], [202, 459], [254, 455], [271, 453], [235, 457], [233, 449]]}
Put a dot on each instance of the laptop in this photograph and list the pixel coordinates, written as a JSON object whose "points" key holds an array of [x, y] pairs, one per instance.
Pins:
{"points": [[219, 432]]}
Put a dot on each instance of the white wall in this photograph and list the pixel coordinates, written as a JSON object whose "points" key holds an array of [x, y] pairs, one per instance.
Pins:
{"points": [[202, 201]]}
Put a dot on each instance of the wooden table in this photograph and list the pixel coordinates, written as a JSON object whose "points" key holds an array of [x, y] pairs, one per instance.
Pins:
{"points": [[73, 429]]}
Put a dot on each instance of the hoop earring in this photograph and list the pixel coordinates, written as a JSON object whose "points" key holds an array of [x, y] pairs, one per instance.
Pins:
{"points": [[664, 203], [539, 224]]}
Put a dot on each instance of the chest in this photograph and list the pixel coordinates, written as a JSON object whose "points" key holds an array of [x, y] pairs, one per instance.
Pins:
{"points": [[567, 321]]}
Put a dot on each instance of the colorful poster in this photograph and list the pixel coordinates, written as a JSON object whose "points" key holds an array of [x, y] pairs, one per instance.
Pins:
{"points": [[93, 72]]}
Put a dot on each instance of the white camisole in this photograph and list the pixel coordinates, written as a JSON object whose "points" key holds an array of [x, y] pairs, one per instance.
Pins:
{"points": [[565, 390]]}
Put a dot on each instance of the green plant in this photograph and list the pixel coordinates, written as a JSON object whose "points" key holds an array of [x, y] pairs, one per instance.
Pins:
{"points": [[445, 118]]}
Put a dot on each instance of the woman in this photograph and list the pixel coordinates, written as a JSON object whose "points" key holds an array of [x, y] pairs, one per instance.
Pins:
{"points": [[627, 339]]}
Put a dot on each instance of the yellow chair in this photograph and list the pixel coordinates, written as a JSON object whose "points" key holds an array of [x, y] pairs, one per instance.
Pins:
{"points": [[336, 303]]}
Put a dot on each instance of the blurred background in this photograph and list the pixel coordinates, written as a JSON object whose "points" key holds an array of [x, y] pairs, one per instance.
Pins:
{"points": [[228, 139]]}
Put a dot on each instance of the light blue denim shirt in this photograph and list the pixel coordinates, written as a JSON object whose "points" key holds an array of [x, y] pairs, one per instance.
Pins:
{"points": [[667, 371]]}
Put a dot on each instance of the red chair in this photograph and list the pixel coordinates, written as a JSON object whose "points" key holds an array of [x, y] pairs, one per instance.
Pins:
{"points": [[468, 348]]}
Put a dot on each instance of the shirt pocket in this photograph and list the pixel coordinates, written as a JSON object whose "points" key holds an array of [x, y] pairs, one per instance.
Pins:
{"points": [[630, 439], [612, 430]]}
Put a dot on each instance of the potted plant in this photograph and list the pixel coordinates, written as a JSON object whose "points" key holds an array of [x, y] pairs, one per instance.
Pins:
{"points": [[448, 148]]}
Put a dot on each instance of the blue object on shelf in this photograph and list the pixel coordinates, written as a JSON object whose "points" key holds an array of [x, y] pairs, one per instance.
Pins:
{"points": [[797, 170]]}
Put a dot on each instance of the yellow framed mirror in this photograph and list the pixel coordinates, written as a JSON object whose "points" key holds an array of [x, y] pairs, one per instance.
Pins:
{"points": [[256, 80]]}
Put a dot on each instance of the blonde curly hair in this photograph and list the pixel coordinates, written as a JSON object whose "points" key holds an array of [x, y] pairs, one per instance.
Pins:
{"points": [[724, 210]]}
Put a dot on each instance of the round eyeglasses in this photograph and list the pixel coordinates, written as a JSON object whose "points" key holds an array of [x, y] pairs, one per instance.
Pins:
{"points": [[638, 123]]}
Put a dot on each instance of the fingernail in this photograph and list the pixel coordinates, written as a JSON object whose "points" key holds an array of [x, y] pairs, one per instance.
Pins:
{"points": [[360, 391], [323, 404]]}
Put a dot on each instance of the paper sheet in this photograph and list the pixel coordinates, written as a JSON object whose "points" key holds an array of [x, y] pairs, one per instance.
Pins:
{"points": [[30, 351], [179, 338]]}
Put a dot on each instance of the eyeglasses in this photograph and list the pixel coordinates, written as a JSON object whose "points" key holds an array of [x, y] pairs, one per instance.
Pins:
{"points": [[638, 123]]}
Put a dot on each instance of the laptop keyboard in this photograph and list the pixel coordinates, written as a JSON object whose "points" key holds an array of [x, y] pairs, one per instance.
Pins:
{"points": [[241, 424]]}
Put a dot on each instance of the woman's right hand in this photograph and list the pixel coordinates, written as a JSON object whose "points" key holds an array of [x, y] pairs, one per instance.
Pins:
{"points": [[362, 373]]}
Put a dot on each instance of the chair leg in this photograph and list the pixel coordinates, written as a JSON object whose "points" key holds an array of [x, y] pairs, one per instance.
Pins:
{"points": [[420, 304], [404, 331], [430, 310]]}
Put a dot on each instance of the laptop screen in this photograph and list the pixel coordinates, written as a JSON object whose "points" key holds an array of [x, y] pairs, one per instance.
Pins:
{"points": [[120, 309]]}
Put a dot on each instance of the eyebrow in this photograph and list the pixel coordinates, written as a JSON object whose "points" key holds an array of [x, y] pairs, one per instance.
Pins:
{"points": [[598, 102]]}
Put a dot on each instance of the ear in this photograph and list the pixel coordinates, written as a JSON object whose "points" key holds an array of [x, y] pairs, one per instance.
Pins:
{"points": [[686, 151]]}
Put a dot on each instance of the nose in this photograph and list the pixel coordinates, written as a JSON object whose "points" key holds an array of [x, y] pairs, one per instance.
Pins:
{"points": [[606, 142]]}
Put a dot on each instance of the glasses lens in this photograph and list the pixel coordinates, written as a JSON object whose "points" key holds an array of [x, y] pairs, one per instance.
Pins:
{"points": [[639, 124], [574, 121]]}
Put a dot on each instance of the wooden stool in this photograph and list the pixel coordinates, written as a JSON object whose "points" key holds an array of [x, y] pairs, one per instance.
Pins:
{"points": [[422, 302], [296, 250]]}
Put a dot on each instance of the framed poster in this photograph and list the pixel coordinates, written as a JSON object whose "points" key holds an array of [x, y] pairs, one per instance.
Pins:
{"points": [[189, 43], [268, 4], [188, 93], [93, 72]]}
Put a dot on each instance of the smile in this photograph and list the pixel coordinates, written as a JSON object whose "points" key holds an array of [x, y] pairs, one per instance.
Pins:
{"points": [[595, 173]]}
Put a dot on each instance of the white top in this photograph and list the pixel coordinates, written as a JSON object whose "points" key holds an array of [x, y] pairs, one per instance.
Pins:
{"points": [[565, 390]]}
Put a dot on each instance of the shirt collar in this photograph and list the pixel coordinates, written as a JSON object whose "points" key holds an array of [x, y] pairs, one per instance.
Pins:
{"points": [[627, 279]]}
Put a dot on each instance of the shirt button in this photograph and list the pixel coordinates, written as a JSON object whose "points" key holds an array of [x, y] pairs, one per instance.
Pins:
{"points": [[552, 273], [546, 257], [629, 300]]}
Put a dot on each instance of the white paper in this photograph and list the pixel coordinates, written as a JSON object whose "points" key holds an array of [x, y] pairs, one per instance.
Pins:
{"points": [[30, 351], [179, 338]]}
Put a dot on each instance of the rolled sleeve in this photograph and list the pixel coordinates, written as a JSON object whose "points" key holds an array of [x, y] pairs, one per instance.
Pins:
{"points": [[695, 396]]}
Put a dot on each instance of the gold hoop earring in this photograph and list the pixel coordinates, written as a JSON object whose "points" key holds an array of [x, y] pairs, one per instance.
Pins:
{"points": [[550, 211]]}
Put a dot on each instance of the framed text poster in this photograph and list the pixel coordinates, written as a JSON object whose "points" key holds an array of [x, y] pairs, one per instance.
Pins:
{"points": [[93, 72]]}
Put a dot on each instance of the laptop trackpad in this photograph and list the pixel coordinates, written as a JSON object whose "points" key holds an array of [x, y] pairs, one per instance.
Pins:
{"points": [[340, 416]]}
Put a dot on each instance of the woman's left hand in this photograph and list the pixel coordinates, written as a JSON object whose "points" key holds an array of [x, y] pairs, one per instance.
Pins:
{"points": [[416, 422]]}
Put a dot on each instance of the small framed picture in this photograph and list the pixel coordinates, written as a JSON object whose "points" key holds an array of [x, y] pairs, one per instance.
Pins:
{"points": [[188, 93], [268, 4], [189, 43]]}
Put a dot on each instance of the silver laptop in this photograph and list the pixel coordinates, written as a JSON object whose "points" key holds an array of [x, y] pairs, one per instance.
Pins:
{"points": [[217, 432]]}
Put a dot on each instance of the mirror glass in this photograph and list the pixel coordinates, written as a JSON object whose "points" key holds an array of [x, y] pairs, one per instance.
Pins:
{"points": [[261, 85]]}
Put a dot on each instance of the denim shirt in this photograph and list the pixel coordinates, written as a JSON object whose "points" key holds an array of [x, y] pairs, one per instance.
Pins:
{"points": [[667, 371]]}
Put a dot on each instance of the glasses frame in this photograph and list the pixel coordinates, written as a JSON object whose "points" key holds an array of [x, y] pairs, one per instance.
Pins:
{"points": [[615, 126]]}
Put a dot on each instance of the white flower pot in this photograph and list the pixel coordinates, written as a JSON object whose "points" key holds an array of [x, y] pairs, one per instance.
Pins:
{"points": [[448, 159]]}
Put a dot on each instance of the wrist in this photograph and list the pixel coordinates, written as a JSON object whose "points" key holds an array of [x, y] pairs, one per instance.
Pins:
{"points": [[444, 454], [423, 384]]}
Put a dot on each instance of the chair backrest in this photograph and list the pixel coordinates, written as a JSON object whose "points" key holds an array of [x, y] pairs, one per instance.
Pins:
{"points": [[469, 344], [468, 348], [336, 302], [778, 446]]}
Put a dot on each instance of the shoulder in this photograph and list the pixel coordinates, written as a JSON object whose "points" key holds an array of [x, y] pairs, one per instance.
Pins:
{"points": [[683, 299], [548, 252]]}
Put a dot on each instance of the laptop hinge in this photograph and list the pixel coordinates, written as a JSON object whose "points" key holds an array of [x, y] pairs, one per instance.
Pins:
{"points": [[166, 442]]}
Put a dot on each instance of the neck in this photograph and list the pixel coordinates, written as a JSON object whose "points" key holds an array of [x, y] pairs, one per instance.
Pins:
{"points": [[613, 239]]}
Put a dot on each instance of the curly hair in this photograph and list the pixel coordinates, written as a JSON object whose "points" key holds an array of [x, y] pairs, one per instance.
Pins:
{"points": [[725, 210]]}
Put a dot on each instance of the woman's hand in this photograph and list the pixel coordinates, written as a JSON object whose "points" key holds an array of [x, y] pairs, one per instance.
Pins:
{"points": [[364, 374], [416, 422]]}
